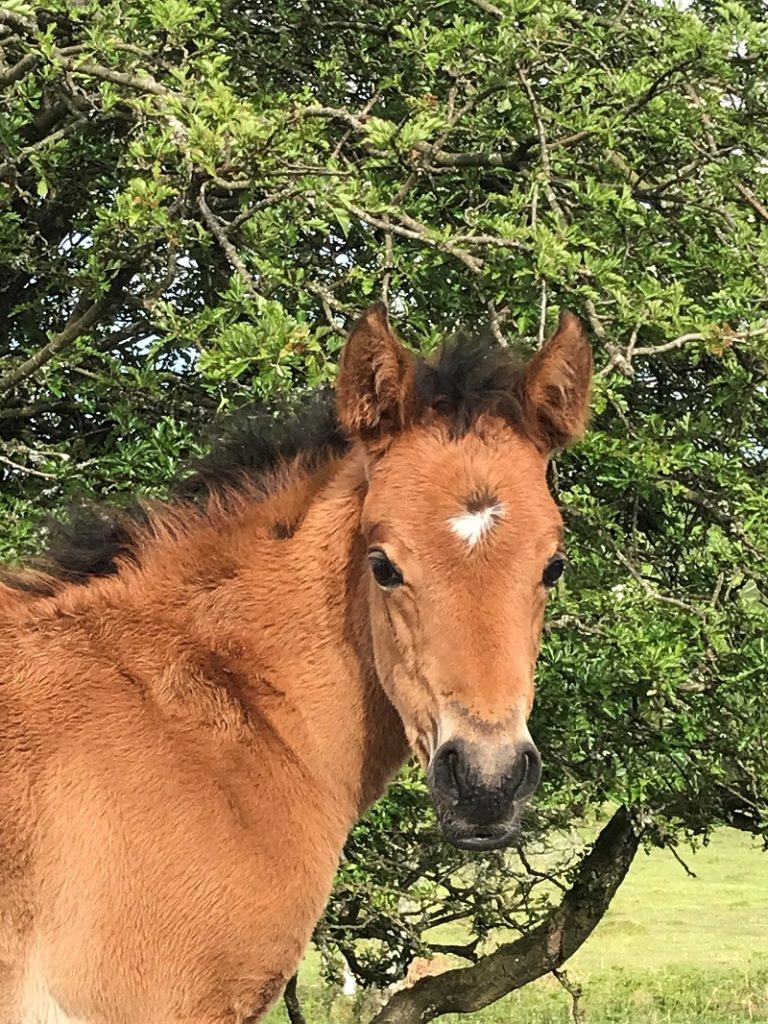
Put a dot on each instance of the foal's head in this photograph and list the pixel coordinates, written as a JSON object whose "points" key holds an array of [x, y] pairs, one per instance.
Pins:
{"points": [[464, 543]]}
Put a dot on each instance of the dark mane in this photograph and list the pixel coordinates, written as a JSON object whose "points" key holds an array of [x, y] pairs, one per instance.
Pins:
{"points": [[255, 441], [467, 377]]}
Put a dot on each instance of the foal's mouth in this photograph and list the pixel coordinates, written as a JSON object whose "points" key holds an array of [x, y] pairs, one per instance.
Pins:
{"points": [[481, 837]]}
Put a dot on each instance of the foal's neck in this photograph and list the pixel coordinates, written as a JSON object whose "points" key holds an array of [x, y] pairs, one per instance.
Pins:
{"points": [[299, 606]]}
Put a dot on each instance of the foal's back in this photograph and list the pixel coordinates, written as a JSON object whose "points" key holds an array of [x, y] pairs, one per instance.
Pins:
{"points": [[155, 864]]}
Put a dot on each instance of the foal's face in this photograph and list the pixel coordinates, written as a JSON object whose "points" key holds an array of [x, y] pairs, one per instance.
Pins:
{"points": [[464, 543]]}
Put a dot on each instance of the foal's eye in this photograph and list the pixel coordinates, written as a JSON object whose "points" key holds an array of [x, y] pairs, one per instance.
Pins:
{"points": [[554, 570], [385, 572]]}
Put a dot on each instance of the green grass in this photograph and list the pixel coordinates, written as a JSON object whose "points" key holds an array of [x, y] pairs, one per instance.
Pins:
{"points": [[671, 950]]}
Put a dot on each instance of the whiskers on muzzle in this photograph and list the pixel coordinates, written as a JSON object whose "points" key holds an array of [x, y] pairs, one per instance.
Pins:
{"points": [[479, 792]]}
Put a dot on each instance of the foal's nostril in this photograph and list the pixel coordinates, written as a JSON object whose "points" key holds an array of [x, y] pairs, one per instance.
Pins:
{"points": [[449, 771], [527, 775], [452, 769]]}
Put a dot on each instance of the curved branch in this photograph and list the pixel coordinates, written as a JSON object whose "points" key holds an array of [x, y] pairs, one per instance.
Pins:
{"points": [[515, 964]]}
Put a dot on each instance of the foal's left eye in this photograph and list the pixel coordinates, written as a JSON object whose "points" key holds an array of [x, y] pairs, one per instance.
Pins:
{"points": [[385, 572], [554, 570]]}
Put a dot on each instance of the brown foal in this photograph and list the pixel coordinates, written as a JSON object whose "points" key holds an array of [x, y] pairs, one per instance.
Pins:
{"points": [[188, 735]]}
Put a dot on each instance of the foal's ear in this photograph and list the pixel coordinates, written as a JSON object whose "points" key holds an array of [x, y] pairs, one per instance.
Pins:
{"points": [[556, 385], [375, 389]]}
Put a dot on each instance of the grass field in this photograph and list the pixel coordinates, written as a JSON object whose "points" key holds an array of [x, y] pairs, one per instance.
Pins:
{"points": [[671, 950]]}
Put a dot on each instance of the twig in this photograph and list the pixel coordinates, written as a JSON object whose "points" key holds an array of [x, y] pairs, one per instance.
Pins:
{"points": [[26, 469], [288, 192], [417, 232], [623, 360], [729, 524], [684, 339], [570, 622], [513, 159], [362, 116], [679, 859], [542, 311], [47, 140], [329, 303], [386, 276], [575, 992], [492, 240], [706, 120], [544, 161], [542, 875], [651, 591], [632, 342]]}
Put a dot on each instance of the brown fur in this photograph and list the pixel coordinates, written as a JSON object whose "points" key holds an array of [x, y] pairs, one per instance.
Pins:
{"points": [[186, 743]]}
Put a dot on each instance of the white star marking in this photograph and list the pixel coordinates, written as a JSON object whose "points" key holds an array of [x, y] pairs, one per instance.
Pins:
{"points": [[473, 526]]}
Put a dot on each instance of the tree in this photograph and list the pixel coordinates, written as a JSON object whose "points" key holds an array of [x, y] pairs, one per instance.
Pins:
{"points": [[196, 197]]}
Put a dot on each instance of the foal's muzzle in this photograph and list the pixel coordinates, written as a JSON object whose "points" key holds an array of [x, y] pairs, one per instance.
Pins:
{"points": [[479, 793]]}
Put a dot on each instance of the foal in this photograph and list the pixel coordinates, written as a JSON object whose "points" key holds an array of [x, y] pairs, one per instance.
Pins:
{"points": [[189, 733]]}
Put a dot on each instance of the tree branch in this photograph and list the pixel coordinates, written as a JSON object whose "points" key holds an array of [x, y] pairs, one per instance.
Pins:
{"points": [[17, 21], [623, 361], [753, 201], [508, 160], [141, 83], [418, 232], [19, 70], [651, 591], [546, 168], [26, 469], [24, 412], [227, 248], [667, 346], [489, 8], [547, 947], [79, 323]]}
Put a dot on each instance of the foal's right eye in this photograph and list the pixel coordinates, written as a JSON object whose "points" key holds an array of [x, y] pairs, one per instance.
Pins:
{"points": [[385, 572], [554, 569]]}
